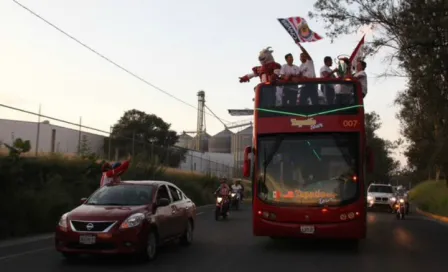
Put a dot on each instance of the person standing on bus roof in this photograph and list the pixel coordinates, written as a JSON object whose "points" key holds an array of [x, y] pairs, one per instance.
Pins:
{"points": [[361, 76], [289, 69], [326, 72], [287, 72], [307, 70]]}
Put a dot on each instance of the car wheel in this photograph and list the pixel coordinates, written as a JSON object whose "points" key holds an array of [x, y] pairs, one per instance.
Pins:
{"points": [[150, 251], [187, 238]]}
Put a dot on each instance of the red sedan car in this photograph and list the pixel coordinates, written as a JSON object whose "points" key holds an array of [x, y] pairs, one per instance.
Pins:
{"points": [[132, 217]]}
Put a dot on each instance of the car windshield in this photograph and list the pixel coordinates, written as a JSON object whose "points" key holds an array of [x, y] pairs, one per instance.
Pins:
{"points": [[309, 169], [381, 189], [122, 195], [308, 99]]}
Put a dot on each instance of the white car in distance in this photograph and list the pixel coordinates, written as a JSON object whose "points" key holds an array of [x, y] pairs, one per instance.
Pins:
{"points": [[380, 196]]}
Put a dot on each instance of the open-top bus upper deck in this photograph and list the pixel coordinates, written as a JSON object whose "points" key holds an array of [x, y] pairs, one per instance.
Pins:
{"points": [[288, 107]]}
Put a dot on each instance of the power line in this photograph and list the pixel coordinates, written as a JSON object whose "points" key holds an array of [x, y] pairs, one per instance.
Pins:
{"points": [[94, 129], [108, 59], [54, 119]]}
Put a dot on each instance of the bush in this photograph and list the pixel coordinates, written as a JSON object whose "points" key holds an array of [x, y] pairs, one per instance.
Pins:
{"points": [[431, 196], [35, 192]]}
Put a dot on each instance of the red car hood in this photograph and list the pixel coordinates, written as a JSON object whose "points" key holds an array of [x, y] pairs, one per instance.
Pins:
{"points": [[100, 213]]}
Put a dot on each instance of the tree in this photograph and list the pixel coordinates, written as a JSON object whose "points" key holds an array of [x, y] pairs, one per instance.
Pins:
{"points": [[146, 135], [415, 31], [18, 147], [384, 164], [85, 150]]}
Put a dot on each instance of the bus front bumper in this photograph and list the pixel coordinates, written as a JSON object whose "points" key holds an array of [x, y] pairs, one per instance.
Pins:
{"points": [[354, 229]]}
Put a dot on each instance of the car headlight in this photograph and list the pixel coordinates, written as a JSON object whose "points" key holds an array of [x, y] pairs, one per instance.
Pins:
{"points": [[393, 199], [233, 194], [63, 221], [133, 221], [219, 199], [401, 200], [369, 197]]}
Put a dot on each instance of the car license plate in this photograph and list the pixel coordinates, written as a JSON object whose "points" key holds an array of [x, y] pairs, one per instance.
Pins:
{"points": [[307, 229], [87, 239]]}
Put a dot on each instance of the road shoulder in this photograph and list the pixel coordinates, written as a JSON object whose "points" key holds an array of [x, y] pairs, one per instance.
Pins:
{"points": [[434, 217]]}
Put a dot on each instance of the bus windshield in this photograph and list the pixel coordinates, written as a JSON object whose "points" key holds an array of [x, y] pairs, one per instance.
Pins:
{"points": [[308, 99], [309, 169]]}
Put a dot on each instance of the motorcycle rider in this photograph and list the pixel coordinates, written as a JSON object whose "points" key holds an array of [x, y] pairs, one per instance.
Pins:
{"points": [[223, 191], [237, 188]]}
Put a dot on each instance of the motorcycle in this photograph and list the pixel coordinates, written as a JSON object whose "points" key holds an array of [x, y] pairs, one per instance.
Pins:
{"points": [[235, 199], [222, 207], [400, 208]]}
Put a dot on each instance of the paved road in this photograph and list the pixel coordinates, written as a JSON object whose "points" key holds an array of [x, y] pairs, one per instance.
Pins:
{"points": [[415, 244]]}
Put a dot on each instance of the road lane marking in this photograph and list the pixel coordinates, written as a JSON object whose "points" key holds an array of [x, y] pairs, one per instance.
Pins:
{"points": [[24, 253]]}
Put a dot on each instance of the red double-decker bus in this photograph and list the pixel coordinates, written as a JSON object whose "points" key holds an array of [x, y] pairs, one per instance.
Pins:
{"points": [[308, 160]]}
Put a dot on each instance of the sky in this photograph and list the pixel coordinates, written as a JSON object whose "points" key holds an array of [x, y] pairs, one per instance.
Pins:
{"points": [[179, 46]]}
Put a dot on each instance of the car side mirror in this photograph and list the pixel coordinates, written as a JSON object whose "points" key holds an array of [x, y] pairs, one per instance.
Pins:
{"points": [[83, 200], [163, 202]]}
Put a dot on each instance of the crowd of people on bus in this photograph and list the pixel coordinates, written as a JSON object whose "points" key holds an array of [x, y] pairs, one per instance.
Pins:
{"points": [[332, 93]]}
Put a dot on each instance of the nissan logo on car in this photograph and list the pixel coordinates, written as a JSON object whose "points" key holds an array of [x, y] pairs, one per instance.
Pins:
{"points": [[89, 226]]}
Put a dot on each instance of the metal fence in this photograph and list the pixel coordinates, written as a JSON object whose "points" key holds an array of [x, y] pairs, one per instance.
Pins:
{"points": [[50, 135]]}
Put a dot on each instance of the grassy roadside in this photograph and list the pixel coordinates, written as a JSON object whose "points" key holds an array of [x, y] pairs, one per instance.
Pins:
{"points": [[431, 196], [35, 192]]}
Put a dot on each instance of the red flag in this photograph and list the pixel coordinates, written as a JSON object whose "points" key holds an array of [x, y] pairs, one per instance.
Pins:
{"points": [[357, 54], [299, 30]]}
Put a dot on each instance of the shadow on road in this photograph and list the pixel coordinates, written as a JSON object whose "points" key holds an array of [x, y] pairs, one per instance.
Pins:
{"points": [[123, 260], [305, 246]]}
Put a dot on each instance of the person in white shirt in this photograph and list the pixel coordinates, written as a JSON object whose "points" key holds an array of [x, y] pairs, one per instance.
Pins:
{"points": [[327, 72], [307, 70], [238, 188], [361, 76], [344, 92], [289, 69], [287, 73]]}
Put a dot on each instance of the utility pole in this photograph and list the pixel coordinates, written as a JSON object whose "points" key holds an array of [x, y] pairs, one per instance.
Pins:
{"points": [[79, 136], [38, 131], [110, 144]]}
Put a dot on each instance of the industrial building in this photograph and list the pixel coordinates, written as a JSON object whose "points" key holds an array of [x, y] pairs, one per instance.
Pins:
{"points": [[227, 143], [220, 154], [51, 139], [216, 159]]}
